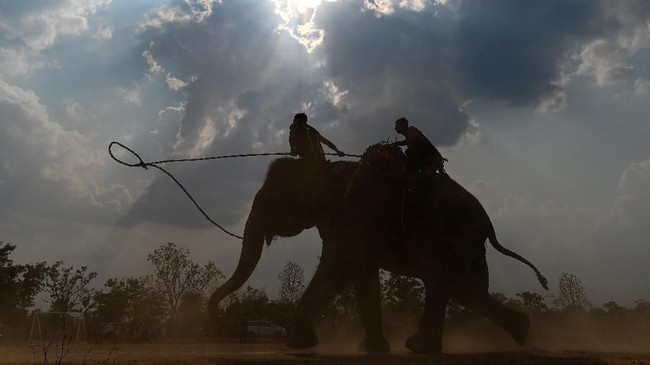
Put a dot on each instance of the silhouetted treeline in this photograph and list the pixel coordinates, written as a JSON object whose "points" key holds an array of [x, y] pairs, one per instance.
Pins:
{"points": [[171, 303]]}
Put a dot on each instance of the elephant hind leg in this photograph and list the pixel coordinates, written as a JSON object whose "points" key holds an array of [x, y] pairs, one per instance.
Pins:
{"points": [[428, 338], [472, 292], [514, 322]]}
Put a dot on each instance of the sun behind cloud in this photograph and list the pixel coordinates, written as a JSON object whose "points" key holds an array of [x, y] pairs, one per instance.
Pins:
{"points": [[298, 20], [302, 5]]}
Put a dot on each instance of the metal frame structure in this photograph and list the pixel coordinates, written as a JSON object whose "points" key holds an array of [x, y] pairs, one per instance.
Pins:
{"points": [[80, 336]]}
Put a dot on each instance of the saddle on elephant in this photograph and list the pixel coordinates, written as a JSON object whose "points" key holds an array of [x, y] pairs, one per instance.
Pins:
{"points": [[405, 199], [387, 162], [378, 177]]}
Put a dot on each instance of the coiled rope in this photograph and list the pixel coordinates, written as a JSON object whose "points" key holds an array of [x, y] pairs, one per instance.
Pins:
{"points": [[154, 164]]}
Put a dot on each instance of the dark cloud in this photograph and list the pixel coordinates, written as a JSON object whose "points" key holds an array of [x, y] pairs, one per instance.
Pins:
{"points": [[46, 171], [17, 9], [512, 51], [219, 58], [245, 82], [437, 58], [241, 92], [392, 66]]}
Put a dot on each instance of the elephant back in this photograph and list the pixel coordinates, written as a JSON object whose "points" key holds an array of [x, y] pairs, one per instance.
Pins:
{"points": [[384, 160]]}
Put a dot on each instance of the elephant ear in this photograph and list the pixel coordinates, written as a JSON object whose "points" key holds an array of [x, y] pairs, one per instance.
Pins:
{"points": [[292, 192]]}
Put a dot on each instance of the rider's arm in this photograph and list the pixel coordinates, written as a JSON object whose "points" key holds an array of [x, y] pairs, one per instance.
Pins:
{"points": [[329, 144]]}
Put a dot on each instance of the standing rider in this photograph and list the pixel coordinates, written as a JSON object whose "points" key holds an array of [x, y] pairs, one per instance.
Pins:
{"points": [[422, 155]]}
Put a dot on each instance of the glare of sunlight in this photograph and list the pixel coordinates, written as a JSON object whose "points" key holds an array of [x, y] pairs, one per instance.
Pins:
{"points": [[388, 7], [206, 136], [333, 92], [298, 20]]}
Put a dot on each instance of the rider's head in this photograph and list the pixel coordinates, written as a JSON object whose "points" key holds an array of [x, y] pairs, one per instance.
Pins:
{"points": [[401, 125], [300, 117]]}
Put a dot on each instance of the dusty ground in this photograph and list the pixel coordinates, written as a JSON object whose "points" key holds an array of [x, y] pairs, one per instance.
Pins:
{"points": [[277, 353]]}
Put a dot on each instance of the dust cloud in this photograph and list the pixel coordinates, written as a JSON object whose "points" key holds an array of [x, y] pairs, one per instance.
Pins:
{"points": [[573, 330]]}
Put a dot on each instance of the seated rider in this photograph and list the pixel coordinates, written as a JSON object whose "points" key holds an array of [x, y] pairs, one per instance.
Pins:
{"points": [[305, 141], [422, 155]]}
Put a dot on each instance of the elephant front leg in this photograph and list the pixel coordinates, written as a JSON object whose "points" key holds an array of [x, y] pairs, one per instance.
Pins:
{"points": [[428, 338], [368, 296], [330, 278]]}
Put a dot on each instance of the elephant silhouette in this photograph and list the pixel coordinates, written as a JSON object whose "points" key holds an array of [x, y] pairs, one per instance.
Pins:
{"points": [[370, 216]]}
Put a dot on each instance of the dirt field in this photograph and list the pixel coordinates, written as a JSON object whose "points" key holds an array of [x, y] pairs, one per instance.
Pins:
{"points": [[277, 353]]}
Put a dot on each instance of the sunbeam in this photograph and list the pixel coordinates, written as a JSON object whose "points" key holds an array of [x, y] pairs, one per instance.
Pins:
{"points": [[298, 20]]}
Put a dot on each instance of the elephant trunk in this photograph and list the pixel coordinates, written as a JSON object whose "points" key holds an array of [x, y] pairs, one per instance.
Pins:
{"points": [[251, 252]]}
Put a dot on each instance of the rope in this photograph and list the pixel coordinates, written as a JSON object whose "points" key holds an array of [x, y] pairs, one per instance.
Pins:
{"points": [[356, 171], [154, 164], [235, 156]]}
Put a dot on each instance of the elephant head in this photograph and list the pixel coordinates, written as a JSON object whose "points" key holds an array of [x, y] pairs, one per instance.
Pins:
{"points": [[284, 206]]}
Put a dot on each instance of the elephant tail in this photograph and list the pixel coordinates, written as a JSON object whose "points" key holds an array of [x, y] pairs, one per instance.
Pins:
{"points": [[495, 243]]}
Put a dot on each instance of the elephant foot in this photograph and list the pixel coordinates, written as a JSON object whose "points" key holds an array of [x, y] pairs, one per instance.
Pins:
{"points": [[519, 328], [303, 340], [378, 346], [422, 344]]}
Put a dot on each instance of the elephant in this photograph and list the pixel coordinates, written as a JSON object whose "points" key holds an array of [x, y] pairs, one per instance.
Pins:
{"points": [[369, 216]]}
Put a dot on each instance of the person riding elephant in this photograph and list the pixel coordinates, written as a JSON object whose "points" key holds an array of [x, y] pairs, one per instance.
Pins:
{"points": [[423, 156], [305, 141]]}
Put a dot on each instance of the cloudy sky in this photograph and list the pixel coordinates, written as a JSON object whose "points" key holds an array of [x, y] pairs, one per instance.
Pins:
{"points": [[542, 109]]}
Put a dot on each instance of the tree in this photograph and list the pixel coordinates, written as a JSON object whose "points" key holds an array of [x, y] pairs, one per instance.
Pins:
{"points": [[403, 295], [132, 301], [459, 314], [613, 308], [532, 302], [499, 297], [571, 293], [243, 305], [19, 284], [192, 316], [176, 276], [514, 303], [68, 287], [254, 302], [343, 307], [292, 278], [642, 305]]}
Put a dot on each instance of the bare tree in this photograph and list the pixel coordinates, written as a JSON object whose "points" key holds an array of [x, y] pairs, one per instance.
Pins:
{"points": [[292, 278], [177, 276], [68, 287], [571, 293]]}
